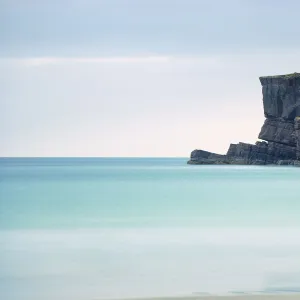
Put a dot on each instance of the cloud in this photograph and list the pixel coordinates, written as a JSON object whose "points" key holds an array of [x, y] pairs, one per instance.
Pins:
{"points": [[125, 60], [40, 61]]}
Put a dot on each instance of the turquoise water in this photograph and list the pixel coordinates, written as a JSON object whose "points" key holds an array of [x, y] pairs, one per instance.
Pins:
{"points": [[78, 228]]}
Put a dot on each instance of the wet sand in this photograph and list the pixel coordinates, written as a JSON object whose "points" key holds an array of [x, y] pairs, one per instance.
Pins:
{"points": [[231, 297]]}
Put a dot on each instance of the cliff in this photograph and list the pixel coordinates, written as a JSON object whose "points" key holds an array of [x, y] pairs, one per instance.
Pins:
{"points": [[280, 132]]}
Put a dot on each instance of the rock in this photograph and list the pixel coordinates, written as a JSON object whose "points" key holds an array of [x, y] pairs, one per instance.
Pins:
{"points": [[280, 132], [297, 135], [281, 96], [285, 162], [248, 154], [201, 157]]}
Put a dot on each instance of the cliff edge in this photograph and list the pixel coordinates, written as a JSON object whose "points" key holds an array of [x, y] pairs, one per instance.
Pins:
{"points": [[280, 133]]}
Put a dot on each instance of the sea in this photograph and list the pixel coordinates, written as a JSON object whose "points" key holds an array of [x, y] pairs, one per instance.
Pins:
{"points": [[111, 228]]}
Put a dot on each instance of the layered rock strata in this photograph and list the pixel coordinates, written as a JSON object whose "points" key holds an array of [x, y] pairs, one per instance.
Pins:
{"points": [[280, 133]]}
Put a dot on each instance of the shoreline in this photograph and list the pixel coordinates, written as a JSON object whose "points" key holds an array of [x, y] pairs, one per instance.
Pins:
{"points": [[237, 296]]}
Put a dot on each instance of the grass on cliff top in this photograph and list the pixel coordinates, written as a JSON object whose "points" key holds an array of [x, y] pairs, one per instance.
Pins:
{"points": [[286, 76]]}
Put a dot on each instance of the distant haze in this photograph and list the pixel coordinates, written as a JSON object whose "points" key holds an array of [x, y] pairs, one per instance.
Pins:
{"points": [[138, 78]]}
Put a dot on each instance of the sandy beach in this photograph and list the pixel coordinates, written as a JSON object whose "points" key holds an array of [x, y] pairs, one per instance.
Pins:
{"points": [[231, 297]]}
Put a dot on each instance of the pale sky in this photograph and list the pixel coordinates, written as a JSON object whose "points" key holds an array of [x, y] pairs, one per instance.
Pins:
{"points": [[138, 77]]}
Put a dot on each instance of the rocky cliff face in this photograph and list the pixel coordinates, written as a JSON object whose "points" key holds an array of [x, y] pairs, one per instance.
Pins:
{"points": [[280, 132]]}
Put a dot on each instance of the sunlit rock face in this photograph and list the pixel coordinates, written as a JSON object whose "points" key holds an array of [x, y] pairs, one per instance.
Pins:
{"points": [[280, 132]]}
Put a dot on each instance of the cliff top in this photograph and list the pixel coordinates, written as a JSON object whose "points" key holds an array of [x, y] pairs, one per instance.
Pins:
{"points": [[286, 76]]}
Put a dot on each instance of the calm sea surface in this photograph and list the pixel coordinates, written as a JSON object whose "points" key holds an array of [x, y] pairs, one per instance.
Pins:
{"points": [[95, 228]]}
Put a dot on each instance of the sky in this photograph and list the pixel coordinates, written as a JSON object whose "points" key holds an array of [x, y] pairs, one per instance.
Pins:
{"points": [[147, 78]]}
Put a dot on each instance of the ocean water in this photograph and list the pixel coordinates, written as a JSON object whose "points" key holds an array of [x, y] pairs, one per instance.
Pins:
{"points": [[102, 228]]}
